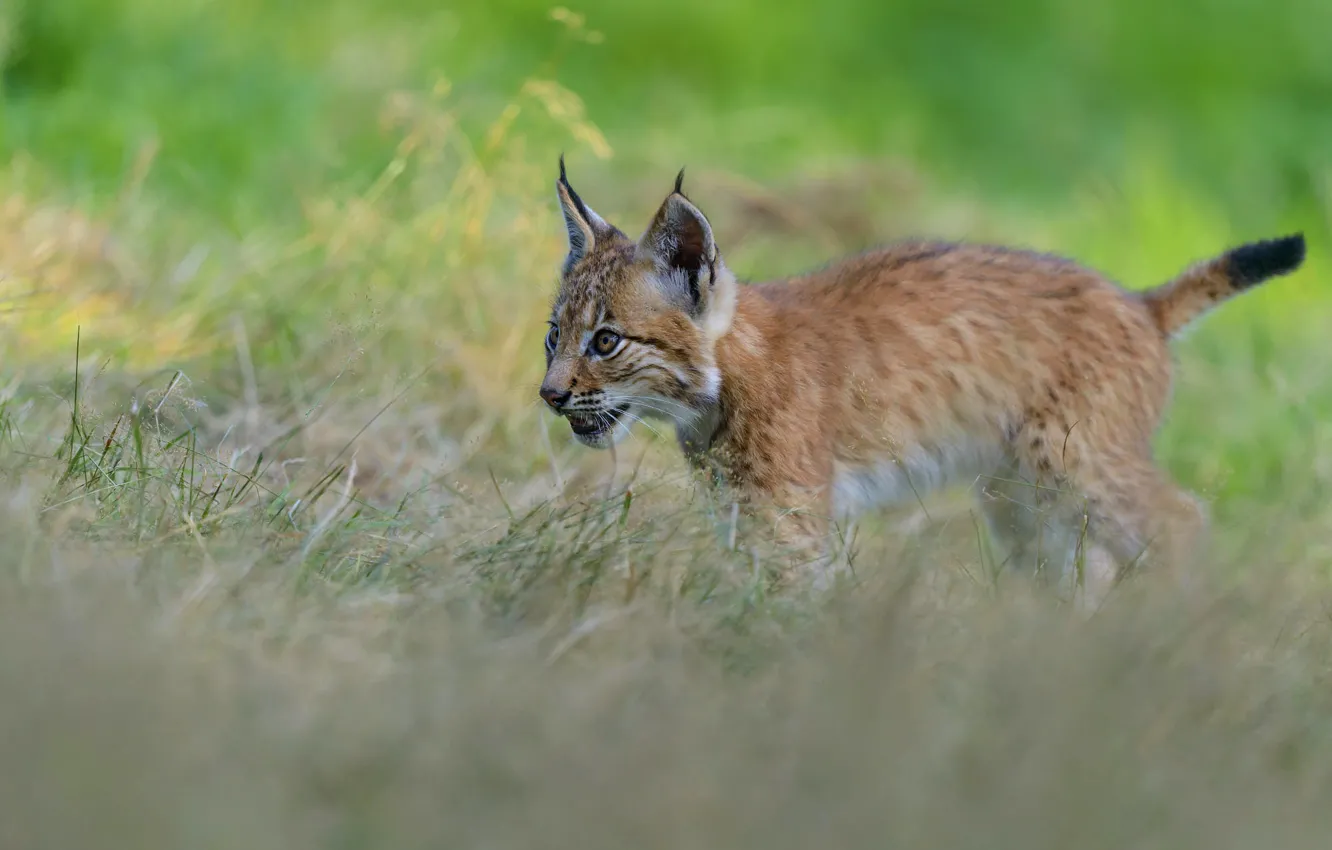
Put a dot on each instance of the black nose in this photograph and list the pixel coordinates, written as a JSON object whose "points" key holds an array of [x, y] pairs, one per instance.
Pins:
{"points": [[555, 398]]}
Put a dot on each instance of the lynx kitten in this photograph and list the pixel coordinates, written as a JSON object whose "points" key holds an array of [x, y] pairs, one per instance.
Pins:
{"points": [[891, 374]]}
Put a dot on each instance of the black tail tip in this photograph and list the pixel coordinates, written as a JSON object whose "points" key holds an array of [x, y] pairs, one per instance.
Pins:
{"points": [[1256, 262]]}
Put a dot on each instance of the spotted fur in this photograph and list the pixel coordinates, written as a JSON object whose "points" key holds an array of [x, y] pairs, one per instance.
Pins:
{"points": [[894, 373]]}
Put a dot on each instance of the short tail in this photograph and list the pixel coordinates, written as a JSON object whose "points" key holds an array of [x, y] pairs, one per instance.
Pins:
{"points": [[1203, 286]]}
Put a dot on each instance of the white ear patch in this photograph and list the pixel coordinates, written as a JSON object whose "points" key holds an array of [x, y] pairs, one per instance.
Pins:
{"points": [[712, 380], [721, 303]]}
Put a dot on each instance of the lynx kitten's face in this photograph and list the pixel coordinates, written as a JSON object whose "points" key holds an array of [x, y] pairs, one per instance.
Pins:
{"points": [[634, 325]]}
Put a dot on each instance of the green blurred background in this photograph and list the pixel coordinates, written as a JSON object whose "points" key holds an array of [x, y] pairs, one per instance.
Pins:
{"points": [[1134, 135], [1022, 100]]}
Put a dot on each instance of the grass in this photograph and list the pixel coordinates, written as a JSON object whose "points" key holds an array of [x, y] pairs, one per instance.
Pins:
{"points": [[245, 672], [293, 559]]}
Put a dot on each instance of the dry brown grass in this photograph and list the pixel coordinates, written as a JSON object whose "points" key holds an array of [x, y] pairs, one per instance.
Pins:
{"points": [[186, 696]]}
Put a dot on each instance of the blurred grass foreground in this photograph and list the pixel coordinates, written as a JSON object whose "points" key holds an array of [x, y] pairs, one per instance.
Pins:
{"points": [[291, 558]]}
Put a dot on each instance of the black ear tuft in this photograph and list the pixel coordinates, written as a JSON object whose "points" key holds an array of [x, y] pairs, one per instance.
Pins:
{"points": [[585, 227], [580, 209], [679, 182]]}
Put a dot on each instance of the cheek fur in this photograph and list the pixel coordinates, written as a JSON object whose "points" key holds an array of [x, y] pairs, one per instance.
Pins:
{"points": [[655, 375]]}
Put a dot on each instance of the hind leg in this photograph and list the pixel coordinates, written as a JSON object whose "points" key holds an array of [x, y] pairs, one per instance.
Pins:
{"points": [[1143, 517], [1133, 511]]}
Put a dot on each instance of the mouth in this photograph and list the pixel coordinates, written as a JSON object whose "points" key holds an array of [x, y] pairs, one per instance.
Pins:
{"points": [[594, 424]]}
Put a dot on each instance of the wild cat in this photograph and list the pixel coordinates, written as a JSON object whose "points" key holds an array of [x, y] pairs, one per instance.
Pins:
{"points": [[891, 374]]}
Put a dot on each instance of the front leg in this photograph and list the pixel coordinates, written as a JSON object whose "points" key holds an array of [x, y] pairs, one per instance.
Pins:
{"points": [[798, 525], [788, 506]]}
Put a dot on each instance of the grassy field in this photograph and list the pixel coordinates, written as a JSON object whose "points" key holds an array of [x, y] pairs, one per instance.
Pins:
{"points": [[293, 559]]}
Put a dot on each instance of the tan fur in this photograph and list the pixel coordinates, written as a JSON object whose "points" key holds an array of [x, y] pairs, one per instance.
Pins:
{"points": [[891, 374]]}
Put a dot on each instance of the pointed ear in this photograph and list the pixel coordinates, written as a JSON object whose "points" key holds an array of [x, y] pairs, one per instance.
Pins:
{"points": [[584, 225], [680, 242]]}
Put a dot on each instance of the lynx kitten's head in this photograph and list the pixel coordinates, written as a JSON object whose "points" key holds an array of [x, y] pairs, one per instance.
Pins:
{"points": [[635, 324]]}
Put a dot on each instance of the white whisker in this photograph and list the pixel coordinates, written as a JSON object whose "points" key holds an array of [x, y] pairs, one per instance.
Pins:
{"points": [[669, 414], [664, 406], [645, 423]]}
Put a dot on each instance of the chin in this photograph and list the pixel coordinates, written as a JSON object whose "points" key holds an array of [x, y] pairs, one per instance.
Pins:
{"points": [[601, 431], [602, 440]]}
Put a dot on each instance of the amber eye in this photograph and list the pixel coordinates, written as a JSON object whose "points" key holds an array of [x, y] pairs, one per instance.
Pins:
{"points": [[605, 341], [552, 337]]}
